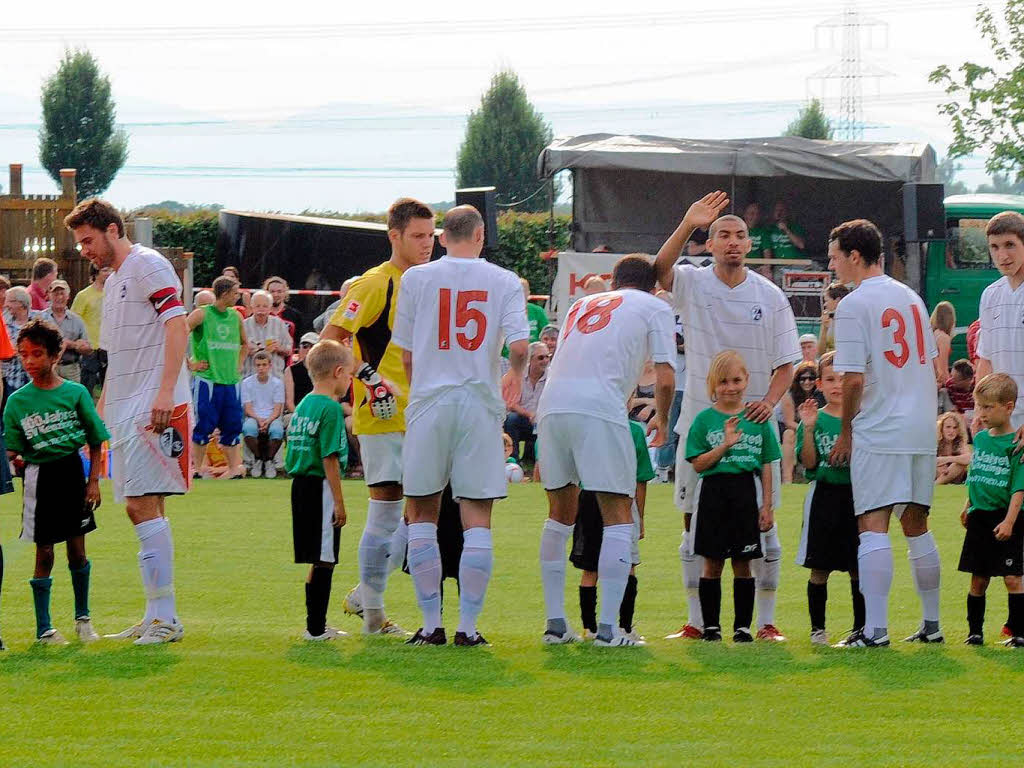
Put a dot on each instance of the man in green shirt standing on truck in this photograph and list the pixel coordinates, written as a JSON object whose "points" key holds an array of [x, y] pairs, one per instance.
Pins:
{"points": [[220, 348]]}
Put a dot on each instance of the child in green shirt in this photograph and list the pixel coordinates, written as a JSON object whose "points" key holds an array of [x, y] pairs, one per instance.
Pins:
{"points": [[829, 539], [46, 422], [317, 453], [733, 457], [588, 533], [994, 542]]}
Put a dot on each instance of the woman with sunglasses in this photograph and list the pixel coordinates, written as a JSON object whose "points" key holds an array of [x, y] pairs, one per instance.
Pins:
{"points": [[804, 387]]}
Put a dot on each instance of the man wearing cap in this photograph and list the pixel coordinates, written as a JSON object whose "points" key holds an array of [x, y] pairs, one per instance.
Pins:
{"points": [[809, 348], [72, 328]]}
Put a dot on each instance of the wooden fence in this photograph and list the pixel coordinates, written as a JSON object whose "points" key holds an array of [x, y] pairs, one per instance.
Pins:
{"points": [[32, 226]]}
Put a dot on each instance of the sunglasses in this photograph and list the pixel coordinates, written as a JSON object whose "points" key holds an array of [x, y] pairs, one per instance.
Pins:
{"points": [[305, 345], [806, 378]]}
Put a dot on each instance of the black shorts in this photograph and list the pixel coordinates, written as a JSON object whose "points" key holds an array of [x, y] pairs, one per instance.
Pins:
{"points": [[449, 536], [587, 534], [726, 520], [315, 537], [54, 501], [829, 538], [983, 554]]}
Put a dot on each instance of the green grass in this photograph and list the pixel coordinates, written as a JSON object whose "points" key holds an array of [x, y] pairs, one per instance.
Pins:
{"points": [[242, 689]]}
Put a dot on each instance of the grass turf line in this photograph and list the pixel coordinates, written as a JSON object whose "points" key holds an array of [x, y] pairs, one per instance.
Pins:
{"points": [[243, 689]]}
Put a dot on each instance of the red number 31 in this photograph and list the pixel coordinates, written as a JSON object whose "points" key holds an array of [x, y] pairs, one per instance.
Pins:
{"points": [[900, 354]]}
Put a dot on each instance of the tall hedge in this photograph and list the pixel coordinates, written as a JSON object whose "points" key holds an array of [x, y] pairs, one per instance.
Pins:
{"points": [[522, 237]]}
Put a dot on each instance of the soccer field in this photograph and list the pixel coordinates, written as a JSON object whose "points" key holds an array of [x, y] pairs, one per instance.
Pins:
{"points": [[243, 689]]}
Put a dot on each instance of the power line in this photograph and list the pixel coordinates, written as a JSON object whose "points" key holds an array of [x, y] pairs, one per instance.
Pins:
{"points": [[544, 24]]}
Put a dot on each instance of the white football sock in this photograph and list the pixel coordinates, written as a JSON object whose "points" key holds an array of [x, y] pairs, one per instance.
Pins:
{"points": [[766, 573], [874, 562], [924, 565], [157, 561], [552, 567], [474, 573], [613, 566], [399, 543], [693, 565], [425, 569], [382, 518]]}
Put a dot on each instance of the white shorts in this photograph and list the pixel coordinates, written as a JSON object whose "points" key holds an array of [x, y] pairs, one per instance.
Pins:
{"points": [[456, 439], [144, 464], [884, 479], [582, 450], [686, 480], [382, 458]]}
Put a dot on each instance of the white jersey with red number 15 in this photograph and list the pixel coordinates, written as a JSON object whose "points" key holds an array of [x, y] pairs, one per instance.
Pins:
{"points": [[882, 331], [454, 315], [605, 341]]}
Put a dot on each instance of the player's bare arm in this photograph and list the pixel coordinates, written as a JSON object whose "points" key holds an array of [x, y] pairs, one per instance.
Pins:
{"points": [[853, 389], [766, 516], [407, 365], [1004, 530], [708, 459], [332, 473], [512, 381], [195, 318], [808, 417], [243, 350], [92, 486], [700, 214], [174, 357], [761, 410], [335, 333], [664, 391]]}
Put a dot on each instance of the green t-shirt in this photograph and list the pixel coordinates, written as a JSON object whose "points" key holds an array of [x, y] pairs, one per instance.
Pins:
{"points": [[757, 446], [218, 341], [782, 247], [536, 318], [758, 242], [644, 469], [44, 425], [995, 473], [317, 430], [826, 432]]}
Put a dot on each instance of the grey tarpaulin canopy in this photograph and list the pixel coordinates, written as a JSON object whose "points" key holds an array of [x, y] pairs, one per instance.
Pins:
{"points": [[629, 192]]}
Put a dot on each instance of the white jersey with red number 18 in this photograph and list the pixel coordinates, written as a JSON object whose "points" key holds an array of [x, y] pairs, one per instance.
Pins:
{"points": [[605, 341], [454, 315], [882, 331]]}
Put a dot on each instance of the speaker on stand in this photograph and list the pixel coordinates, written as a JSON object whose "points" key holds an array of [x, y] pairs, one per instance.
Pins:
{"points": [[484, 200]]}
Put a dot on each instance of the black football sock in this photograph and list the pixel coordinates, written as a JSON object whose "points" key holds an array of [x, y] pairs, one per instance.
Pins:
{"points": [[743, 603], [1016, 614], [318, 597], [588, 608], [975, 613], [710, 591], [858, 603], [817, 598], [628, 605]]}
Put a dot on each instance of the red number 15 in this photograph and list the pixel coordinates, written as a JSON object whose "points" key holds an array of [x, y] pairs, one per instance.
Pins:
{"points": [[464, 314]]}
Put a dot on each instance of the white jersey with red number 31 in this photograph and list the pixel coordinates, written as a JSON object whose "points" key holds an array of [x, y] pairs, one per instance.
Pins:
{"points": [[606, 339], [454, 315], [882, 331]]}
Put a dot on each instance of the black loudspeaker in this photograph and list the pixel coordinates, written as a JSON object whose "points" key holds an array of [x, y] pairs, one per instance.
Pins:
{"points": [[483, 199], [924, 217]]}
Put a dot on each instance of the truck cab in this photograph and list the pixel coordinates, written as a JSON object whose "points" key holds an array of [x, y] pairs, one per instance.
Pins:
{"points": [[959, 269]]}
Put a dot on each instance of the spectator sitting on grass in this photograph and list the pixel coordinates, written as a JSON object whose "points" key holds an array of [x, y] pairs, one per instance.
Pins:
{"points": [[809, 348], [520, 423], [549, 335], [804, 387], [594, 284], [267, 333], [960, 386], [263, 404], [954, 452]]}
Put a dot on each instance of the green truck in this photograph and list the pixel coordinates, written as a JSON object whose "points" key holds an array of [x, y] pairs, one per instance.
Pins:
{"points": [[959, 269]]}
